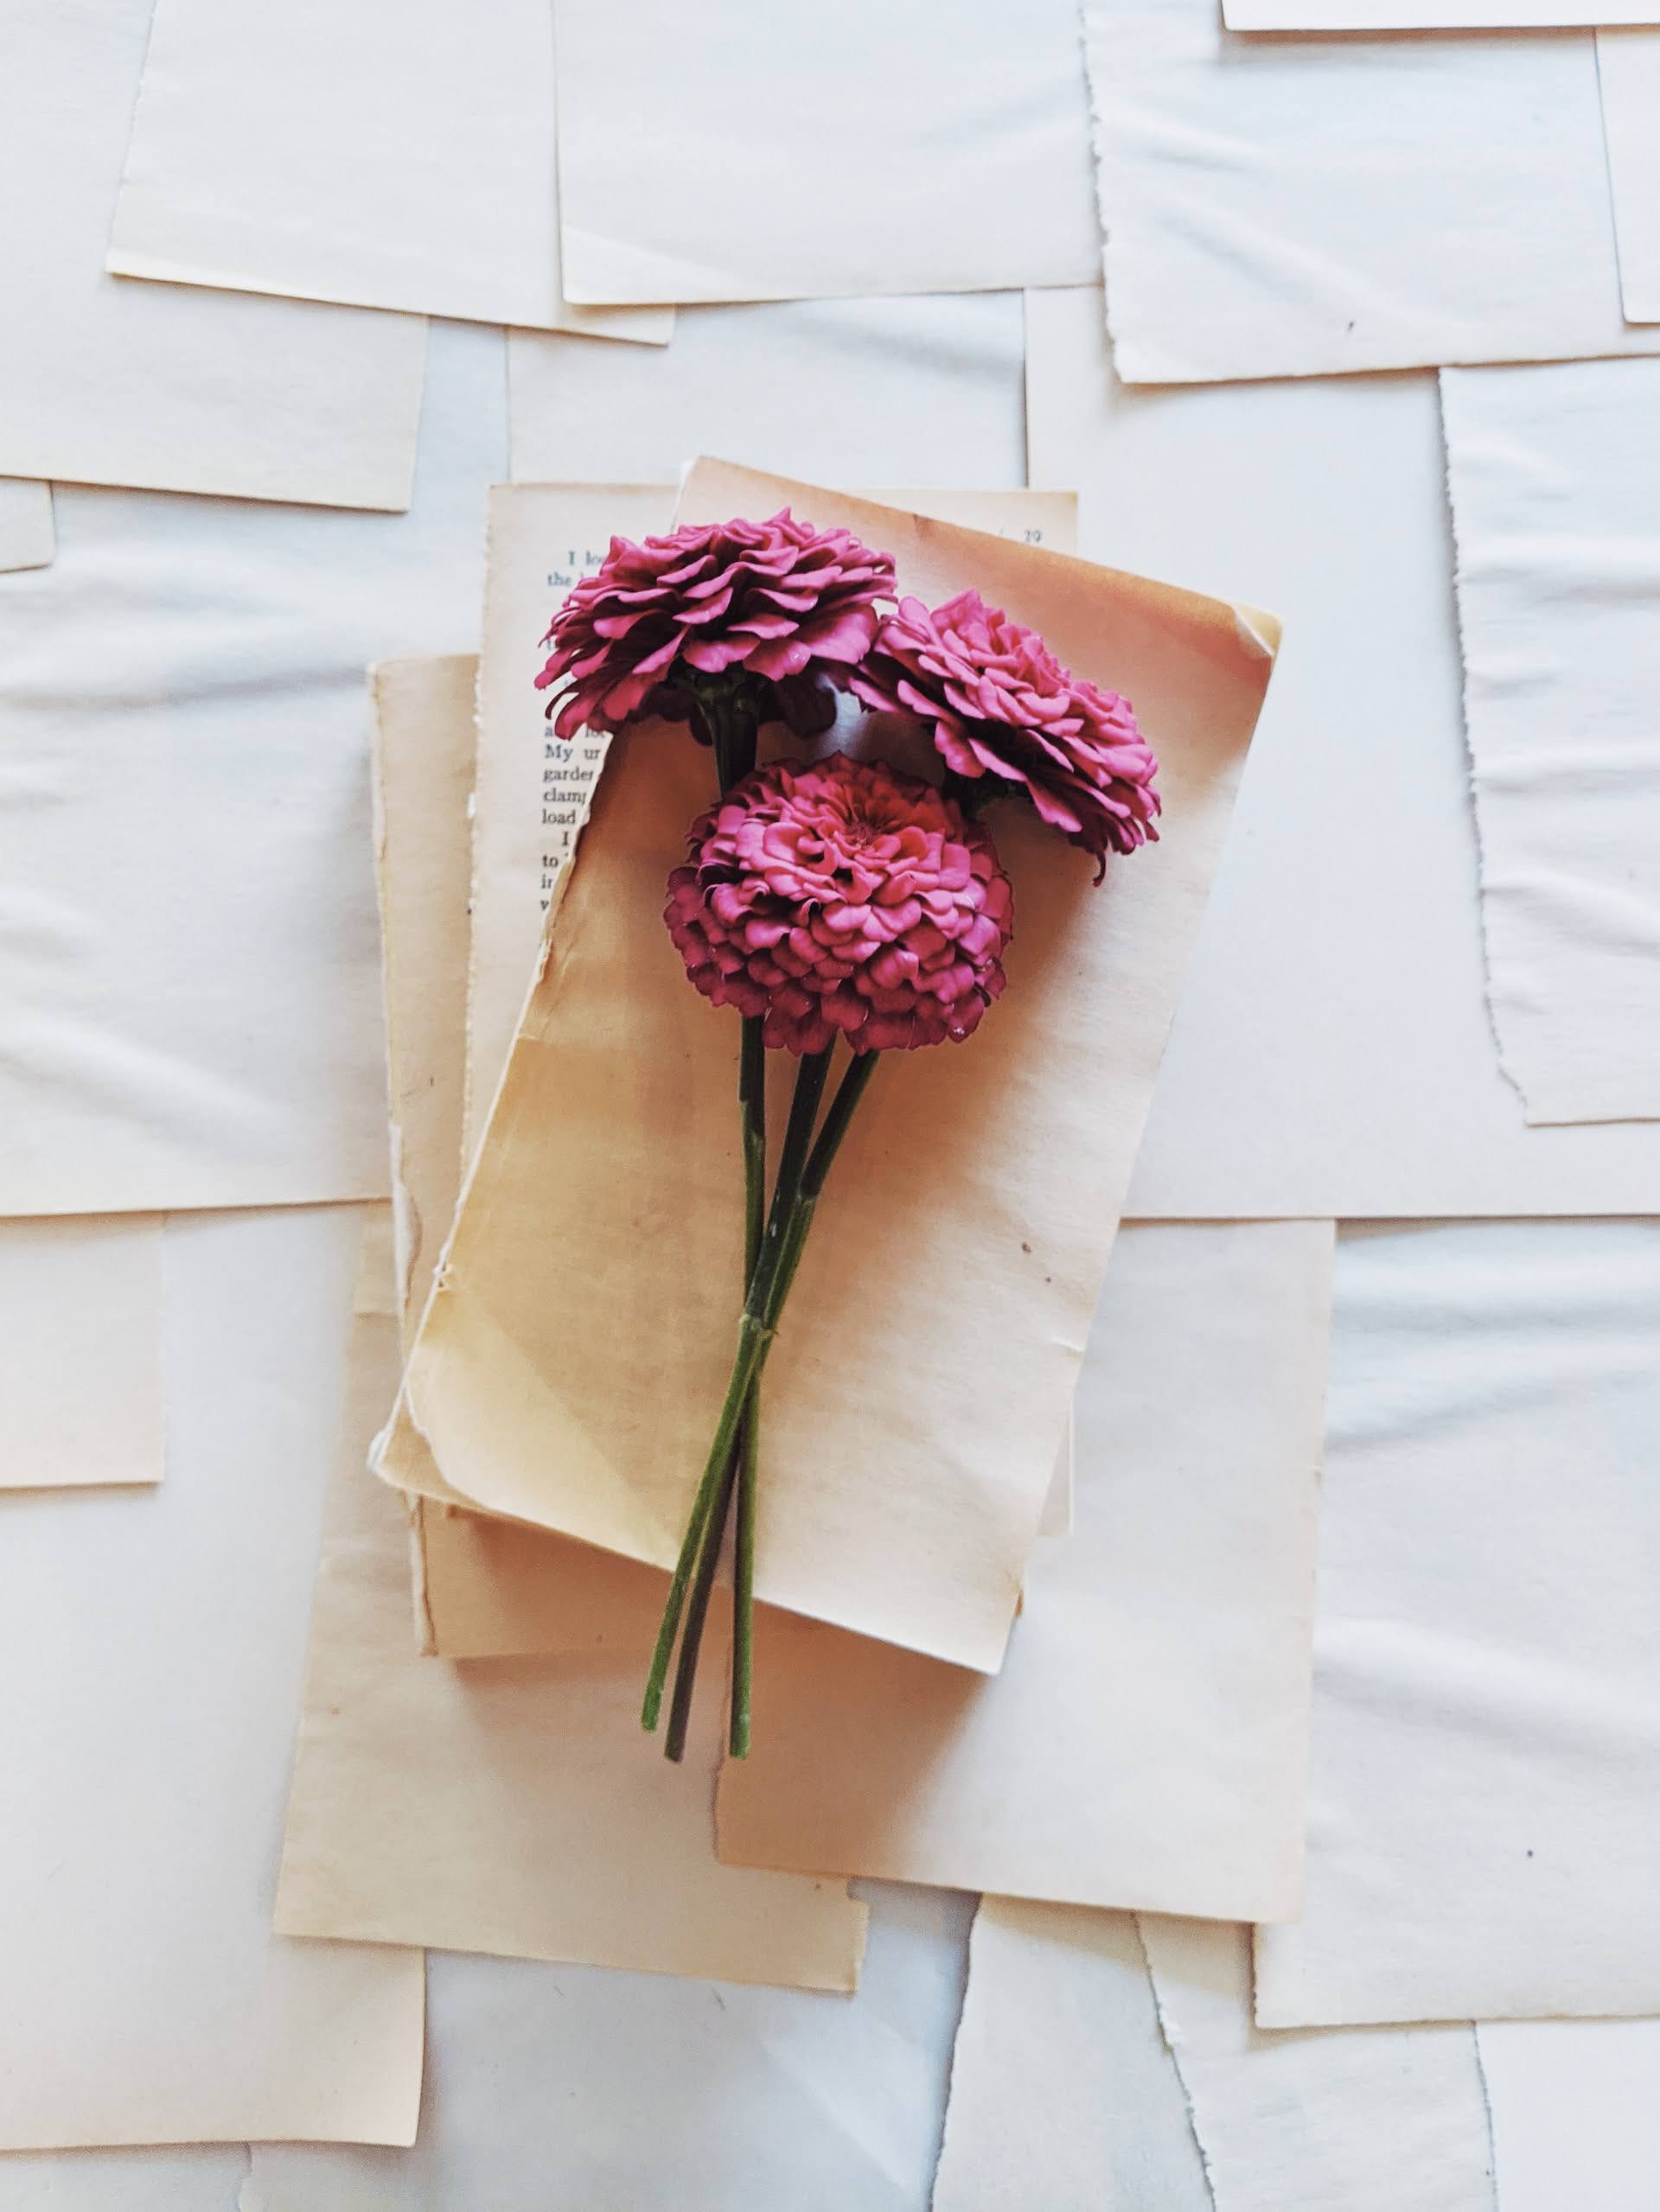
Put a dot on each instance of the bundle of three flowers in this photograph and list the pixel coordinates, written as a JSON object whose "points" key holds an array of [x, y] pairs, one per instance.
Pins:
{"points": [[828, 898]]}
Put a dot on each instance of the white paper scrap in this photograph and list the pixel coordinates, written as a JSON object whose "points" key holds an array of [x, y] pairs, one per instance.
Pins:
{"points": [[1554, 477], [1486, 1742], [385, 153], [1389, 2120], [182, 390], [1628, 69], [1310, 206], [955, 156], [26, 538]]}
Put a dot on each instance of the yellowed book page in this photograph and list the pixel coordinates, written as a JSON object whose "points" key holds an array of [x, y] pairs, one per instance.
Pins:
{"points": [[27, 535], [176, 389], [81, 1318], [259, 164], [518, 1808], [147, 1751], [1033, 1144], [1146, 1742]]}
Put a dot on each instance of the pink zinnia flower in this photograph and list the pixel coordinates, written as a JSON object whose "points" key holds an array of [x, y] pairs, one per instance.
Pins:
{"points": [[1001, 705], [779, 601], [841, 895]]}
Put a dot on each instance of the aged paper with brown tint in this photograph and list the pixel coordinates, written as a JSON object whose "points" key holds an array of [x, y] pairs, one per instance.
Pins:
{"points": [[568, 1366], [81, 1318], [512, 1806], [1146, 1743]]}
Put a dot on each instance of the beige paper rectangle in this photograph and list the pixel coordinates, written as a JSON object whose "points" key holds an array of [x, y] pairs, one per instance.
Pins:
{"points": [[1628, 72], [1146, 1742], [27, 536], [162, 1634], [512, 1806], [961, 160], [179, 389], [925, 1541], [80, 1319], [1333, 1051], [386, 155]]}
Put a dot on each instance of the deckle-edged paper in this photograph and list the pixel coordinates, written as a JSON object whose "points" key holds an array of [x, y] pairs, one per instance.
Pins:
{"points": [[954, 153], [1389, 2120], [191, 978], [1628, 70], [80, 1322], [590, 1414], [27, 539], [917, 389], [1430, 15], [1146, 1743], [384, 155], [161, 1636], [1305, 207], [184, 390], [1555, 478], [1486, 1734], [513, 1805], [1333, 1053], [1064, 2093]]}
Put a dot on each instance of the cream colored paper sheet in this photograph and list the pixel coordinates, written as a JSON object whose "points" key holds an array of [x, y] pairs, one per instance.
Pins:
{"points": [[386, 156], [1037, 1163], [1375, 2121], [513, 1807], [1628, 70], [80, 1322], [1305, 207], [181, 390], [952, 157], [922, 389], [154, 1640], [1487, 1739], [1334, 1054], [1063, 2092], [1146, 1743], [26, 538], [1430, 15], [190, 975], [1555, 478]]}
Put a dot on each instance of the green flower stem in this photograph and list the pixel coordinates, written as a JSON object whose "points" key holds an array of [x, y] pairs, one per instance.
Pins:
{"points": [[754, 1339], [703, 1582], [737, 1728]]}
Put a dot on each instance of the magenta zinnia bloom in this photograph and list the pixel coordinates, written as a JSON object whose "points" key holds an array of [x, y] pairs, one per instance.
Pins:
{"points": [[779, 601], [1001, 705], [841, 895]]}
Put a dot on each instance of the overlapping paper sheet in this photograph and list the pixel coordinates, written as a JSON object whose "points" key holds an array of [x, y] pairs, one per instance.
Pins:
{"points": [[1304, 207], [512, 1806], [907, 391], [26, 538], [954, 154], [190, 974], [184, 390], [154, 1640], [1146, 1742], [583, 2087], [1628, 69], [1333, 1053], [1569, 2102], [1555, 478], [1035, 1166], [1486, 1742], [1388, 2119], [384, 155], [1430, 15], [1063, 2091], [1069, 2087], [80, 1320]]}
